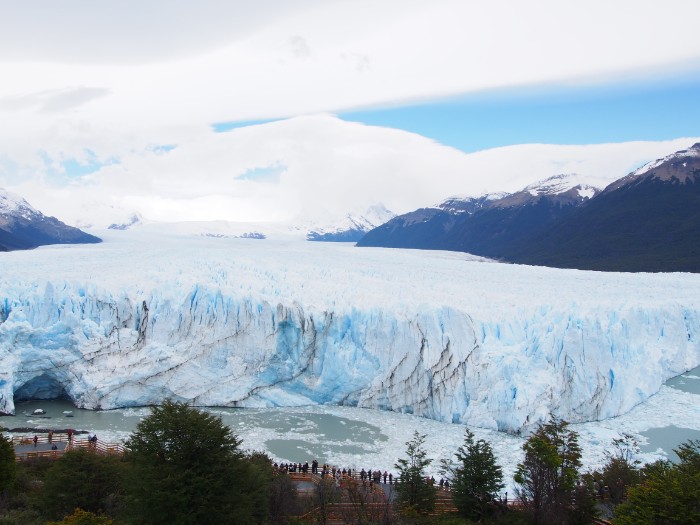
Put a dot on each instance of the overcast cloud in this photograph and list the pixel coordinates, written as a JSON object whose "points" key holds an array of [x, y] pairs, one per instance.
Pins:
{"points": [[113, 81]]}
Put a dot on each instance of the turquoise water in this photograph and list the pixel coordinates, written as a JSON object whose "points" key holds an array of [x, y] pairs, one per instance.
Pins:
{"points": [[347, 436], [688, 382], [670, 437], [313, 434]]}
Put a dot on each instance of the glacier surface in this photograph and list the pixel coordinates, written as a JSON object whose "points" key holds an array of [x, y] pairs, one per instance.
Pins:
{"points": [[238, 322]]}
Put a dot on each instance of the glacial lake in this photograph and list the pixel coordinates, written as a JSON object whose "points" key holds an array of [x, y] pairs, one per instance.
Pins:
{"points": [[670, 437], [362, 438]]}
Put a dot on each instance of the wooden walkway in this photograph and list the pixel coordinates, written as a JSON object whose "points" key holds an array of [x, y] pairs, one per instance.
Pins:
{"points": [[377, 502], [26, 449]]}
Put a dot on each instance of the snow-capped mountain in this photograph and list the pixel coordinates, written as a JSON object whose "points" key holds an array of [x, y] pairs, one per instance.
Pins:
{"points": [[135, 220], [316, 225], [646, 221], [563, 190], [24, 227], [681, 166], [565, 183], [456, 205], [352, 227], [284, 323], [485, 225]]}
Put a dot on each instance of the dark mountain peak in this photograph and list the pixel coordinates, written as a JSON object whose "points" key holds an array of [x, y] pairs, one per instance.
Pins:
{"points": [[562, 189], [680, 167], [24, 227], [12, 205], [134, 220], [457, 205], [418, 216], [353, 226]]}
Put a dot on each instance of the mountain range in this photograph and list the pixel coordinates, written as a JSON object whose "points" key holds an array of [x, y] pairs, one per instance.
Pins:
{"points": [[352, 227], [646, 221], [319, 225], [23, 227]]}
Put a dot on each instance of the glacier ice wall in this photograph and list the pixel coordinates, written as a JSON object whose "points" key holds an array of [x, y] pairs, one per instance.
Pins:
{"points": [[110, 344]]}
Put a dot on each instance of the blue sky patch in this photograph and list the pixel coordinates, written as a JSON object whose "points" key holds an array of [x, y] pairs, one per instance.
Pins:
{"points": [[162, 149], [222, 127], [646, 110], [74, 168], [267, 174], [71, 168]]}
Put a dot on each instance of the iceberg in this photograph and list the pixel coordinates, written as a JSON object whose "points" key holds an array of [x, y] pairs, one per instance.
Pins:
{"points": [[239, 323]]}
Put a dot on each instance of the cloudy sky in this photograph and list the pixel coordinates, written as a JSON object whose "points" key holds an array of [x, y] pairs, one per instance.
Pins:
{"points": [[262, 110]]}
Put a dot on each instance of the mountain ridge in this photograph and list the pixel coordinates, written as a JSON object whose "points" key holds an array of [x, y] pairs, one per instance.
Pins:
{"points": [[648, 220], [23, 227]]}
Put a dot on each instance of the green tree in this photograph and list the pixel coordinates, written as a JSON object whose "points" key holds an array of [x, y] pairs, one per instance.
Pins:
{"points": [[81, 479], [82, 517], [414, 492], [187, 469], [669, 494], [548, 474], [475, 478], [284, 500], [326, 493], [8, 465], [261, 475], [621, 470]]}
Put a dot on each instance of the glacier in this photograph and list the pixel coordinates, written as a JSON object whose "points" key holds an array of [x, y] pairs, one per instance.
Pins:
{"points": [[246, 323]]}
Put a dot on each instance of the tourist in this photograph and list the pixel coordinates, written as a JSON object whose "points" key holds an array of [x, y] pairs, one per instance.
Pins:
{"points": [[391, 477], [36, 440], [386, 474]]}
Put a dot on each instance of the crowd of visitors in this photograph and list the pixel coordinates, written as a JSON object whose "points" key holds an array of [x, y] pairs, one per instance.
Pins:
{"points": [[370, 475]]}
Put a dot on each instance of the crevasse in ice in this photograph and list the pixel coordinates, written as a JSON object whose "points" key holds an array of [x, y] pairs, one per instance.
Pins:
{"points": [[254, 323]]}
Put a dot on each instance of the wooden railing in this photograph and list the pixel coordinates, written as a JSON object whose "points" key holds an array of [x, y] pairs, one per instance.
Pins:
{"points": [[41, 439], [100, 447], [63, 443]]}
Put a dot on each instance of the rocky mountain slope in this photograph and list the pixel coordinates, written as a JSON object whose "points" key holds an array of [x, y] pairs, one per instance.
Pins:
{"points": [[352, 227], [487, 225], [23, 227], [646, 221]]}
